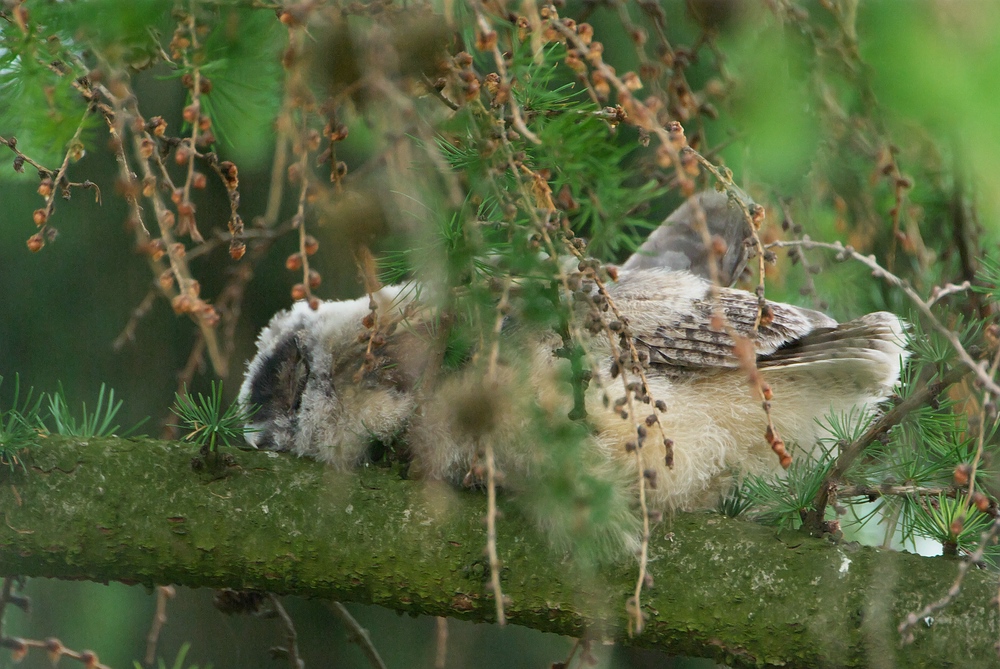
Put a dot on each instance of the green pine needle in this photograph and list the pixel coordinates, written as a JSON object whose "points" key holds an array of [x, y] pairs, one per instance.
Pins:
{"points": [[950, 520], [17, 425], [96, 423], [207, 423]]}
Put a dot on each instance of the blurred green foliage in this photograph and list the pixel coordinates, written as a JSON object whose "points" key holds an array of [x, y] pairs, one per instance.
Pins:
{"points": [[825, 106]]}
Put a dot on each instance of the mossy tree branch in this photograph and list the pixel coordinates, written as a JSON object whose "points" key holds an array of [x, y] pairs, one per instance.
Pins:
{"points": [[134, 511]]}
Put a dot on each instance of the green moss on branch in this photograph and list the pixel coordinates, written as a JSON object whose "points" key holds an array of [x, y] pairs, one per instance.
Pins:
{"points": [[134, 511]]}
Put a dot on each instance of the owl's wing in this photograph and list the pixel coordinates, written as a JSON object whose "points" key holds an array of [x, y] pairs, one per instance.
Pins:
{"points": [[877, 338], [696, 336]]}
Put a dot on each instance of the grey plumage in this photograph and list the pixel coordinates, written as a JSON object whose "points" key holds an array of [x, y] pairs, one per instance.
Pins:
{"points": [[679, 245]]}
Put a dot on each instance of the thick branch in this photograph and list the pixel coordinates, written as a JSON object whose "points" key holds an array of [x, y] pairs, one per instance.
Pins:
{"points": [[134, 511]]}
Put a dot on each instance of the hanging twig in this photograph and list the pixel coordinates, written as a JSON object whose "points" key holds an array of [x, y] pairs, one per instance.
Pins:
{"points": [[358, 635], [163, 594], [291, 648]]}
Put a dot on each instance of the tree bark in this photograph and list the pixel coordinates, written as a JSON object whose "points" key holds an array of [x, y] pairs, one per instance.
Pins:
{"points": [[135, 511]]}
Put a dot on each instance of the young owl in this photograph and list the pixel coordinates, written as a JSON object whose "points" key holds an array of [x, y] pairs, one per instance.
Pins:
{"points": [[317, 399]]}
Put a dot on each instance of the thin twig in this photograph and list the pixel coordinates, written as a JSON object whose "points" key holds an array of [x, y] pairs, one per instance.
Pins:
{"points": [[634, 606], [433, 90], [196, 106], [541, 200], [489, 35], [754, 218], [879, 272], [300, 213], [675, 146], [491, 533], [357, 634], [890, 419], [543, 196], [808, 269], [5, 598], [572, 652], [163, 594], [938, 291], [491, 485], [12, 145], [981, 433], [128, 333], [441, 654], [906, 627], [639, 114], [276, 189], [178, 263], [292, 638], [876, 491], [58, 178], [53, 646], [194, 362]]}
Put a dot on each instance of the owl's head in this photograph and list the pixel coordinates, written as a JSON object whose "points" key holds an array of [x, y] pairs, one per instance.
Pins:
{"points": [[304, 382], [678, 243]]}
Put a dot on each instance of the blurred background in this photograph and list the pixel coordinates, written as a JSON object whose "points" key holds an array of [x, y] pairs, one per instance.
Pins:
{"points": [[819, 109]]}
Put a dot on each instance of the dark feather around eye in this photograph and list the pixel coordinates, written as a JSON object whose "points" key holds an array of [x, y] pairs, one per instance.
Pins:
{"points": [[277, 387]]}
